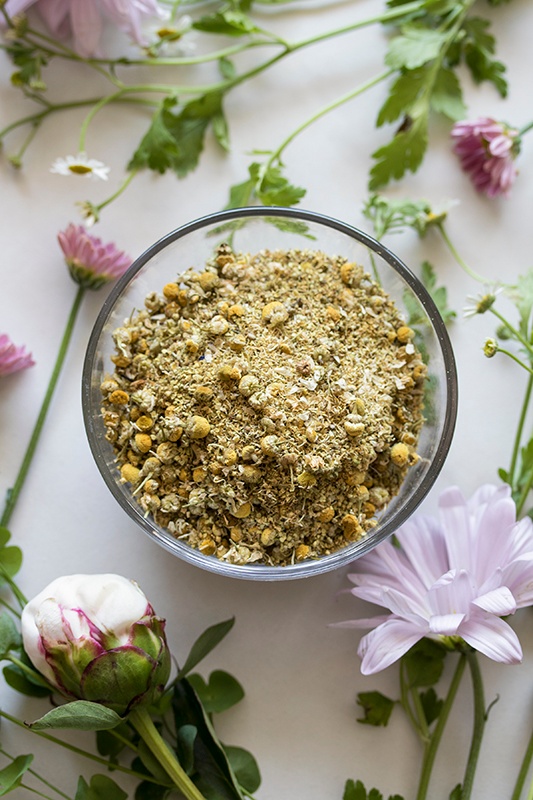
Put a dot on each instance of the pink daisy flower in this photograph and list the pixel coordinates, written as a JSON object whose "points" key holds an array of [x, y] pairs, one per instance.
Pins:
{"points": [[91, 263], [487, 150], [455, 576], [13, 358]]}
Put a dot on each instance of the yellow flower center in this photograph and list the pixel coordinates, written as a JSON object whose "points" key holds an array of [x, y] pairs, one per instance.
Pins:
{"points": [[79, 169]]}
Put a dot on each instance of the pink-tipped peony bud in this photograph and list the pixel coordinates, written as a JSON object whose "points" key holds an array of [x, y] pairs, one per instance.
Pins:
{"points": [[96, 637]]}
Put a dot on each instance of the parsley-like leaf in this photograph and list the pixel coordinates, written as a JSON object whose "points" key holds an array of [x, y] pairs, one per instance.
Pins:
{"points": [[447, 96], [414, 47], [402, 96], [175, 138], [404, 152], [266, 185], [377, 708]]}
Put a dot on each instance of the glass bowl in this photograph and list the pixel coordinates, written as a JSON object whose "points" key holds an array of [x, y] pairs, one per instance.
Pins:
{"points": [[250, 230]]}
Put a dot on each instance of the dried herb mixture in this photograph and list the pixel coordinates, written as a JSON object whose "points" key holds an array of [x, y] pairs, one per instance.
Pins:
{"points": [[266, 408]]}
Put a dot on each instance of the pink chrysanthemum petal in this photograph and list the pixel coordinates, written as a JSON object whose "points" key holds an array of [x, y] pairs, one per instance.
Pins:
{"points": [[91, 263], [480, 569], [13, 358], [487, 149], [386, 644]]}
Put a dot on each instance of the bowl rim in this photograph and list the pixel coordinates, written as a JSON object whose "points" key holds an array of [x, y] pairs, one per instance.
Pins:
{"points": [[338, 558]]}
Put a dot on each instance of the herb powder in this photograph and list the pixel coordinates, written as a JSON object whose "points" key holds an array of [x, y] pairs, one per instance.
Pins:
{"points": [[266, 408]]}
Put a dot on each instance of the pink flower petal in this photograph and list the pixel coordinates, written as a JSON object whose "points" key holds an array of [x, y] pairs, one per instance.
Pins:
{"points": [[493, 637], [499, 601], [386, 644]]}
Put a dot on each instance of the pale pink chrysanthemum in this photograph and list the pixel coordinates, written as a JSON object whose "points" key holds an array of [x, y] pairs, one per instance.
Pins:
{"points": [[455, 576], [91, 263], [83, 20], [13, 358], [487, 150]]}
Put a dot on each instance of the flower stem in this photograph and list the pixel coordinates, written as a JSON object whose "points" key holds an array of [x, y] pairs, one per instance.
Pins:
{"points": [[436, 736], [516, 333], [524, 769], [525, 129], [480, 718], [143, 724], [14, 492], [78, 750], [325, 110], [38, 777], [519, 430], [455, 253]]}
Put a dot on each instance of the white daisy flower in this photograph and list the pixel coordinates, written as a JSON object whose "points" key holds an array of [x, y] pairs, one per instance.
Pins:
{"points": [[80, 165]]}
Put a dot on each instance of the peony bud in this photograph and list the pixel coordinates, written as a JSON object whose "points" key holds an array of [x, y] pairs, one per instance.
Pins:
{"points": [[97, 638]]}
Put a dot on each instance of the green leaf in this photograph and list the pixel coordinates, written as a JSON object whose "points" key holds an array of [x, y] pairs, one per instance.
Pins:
{"points": [[273, 189], [447, 97], [439, 294], [402, 96], [81, 715], [377, 708], [175, 138], [404, 152], [456, 793], [206, 642], [228, 22], [414, 47], [227, 68], [5, 536], [220, 693], [424, 663], [11, 560], [101, 788], [10, 638], [245, 767], [522, 296], [431, 704], [355, 790], [212, 773], [185, 738], [21, 682], [109, 745], [240, 194], [11, 776], [478, 47]]}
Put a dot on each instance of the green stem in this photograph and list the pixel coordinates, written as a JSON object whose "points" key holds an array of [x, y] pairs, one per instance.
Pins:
{"points": [[78, 750], [123, 186], [22, 600], [524, 769], [34, 676], [455, 253], [406, 705], [13, 493], [10, 608], [519, 430], [515, 358], [436, 736], [479, 724], [525, 129], [143, 724], [516, 333], [36, 791], [524, 493], [325, 110]]}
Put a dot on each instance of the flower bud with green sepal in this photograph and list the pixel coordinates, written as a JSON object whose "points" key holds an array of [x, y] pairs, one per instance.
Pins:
{"points": [[97, 638]]}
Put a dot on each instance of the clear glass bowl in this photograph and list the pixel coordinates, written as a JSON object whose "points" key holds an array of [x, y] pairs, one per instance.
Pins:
{"points": [[250, 230]]}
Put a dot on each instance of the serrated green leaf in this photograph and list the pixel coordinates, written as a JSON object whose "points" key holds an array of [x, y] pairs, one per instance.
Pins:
{"points": [[402, 96], [245, 767], [439, 294], [478, 47], [240, 194], [11, 776], [404, 152], [447, 96], [206, 642], [415, 46], [377, 708], [175, 138], [101, 787], [222, 691], [80, 715], [273, 189], [354, 791]]}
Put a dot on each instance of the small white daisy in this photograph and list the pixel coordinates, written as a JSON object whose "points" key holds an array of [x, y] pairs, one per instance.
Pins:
{"points": [[80, 165]]}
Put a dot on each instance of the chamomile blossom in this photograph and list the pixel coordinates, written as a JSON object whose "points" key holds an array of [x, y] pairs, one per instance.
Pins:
{"points": [[80, 165]]}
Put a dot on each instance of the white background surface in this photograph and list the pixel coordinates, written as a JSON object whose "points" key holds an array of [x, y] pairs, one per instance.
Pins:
{"points": [[301, 676]]}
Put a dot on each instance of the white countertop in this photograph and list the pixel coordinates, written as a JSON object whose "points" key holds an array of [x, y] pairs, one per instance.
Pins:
{"points": [[301, 677]]}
